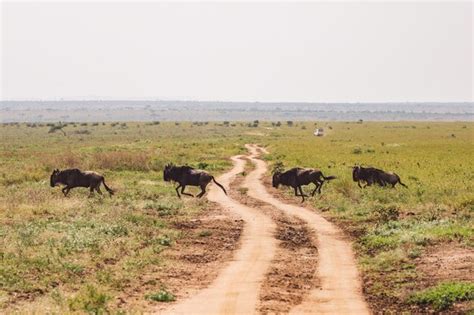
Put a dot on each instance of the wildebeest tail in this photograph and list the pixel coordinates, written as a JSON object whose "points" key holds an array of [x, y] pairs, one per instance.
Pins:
{"points": [[111, 191], [400, 182], [329, 177], [222, 187]]}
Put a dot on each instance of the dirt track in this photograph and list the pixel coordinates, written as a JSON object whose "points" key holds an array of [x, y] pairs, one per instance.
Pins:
{"points": [[237, 288], [340, 291]]}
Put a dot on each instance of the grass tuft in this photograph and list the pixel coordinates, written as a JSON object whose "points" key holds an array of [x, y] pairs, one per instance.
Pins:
{"points": [[162, 296], [444, 295]]}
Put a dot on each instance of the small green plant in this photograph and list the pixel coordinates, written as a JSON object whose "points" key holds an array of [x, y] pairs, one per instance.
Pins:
{"points": [[278, 167], [243, 190], [91, 300], [202, 165], [162, 296], [384, 214], [205, 233], [444, 295], [164, 240]]}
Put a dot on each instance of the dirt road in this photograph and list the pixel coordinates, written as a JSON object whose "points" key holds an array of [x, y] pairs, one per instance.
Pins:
{"points": [[236, 289], [340, 291]]}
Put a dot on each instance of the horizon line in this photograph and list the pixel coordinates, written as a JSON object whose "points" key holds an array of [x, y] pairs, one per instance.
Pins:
{"points": [[224, 101]]}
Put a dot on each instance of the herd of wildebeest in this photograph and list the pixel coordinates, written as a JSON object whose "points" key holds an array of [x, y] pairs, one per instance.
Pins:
{"points": [[189, 176]]}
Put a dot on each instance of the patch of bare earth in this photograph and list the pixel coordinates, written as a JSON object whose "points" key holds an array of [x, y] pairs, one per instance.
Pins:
{"points": [[447, 262], [206, 245], [292, 272]]}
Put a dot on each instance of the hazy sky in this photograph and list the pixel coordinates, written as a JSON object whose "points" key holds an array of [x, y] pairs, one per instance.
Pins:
{"points": [[320, 52]]}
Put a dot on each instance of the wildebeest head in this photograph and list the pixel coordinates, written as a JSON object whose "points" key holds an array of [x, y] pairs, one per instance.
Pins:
{"points": [[355, 173], [276, 179], [54, 178], [167, 172]]}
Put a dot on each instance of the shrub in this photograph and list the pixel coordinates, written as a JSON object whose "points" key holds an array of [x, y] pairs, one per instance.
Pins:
{"points": [[384, 214], [54, 128], [444, 295], [205, 233], [278, 167], [82, 132], [91, 301], [357, 151], [202, 165], [162, 296]]}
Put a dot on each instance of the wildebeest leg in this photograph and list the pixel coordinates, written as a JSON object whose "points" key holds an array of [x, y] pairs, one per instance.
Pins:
{"points": [[302, 193], [91, 191], [66, 190], [315, 188], [178, 191], [296, 191], [183, 193], [203, 191], [320, 185], [98, 190]]}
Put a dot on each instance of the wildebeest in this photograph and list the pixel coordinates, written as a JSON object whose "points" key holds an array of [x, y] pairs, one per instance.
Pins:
{"points": [[373, 175], [187, 175], [73, 178], [297, 177]]}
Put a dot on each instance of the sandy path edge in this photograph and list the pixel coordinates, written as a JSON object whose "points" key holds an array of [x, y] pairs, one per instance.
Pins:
{"points": [[341, 289], [236, 289]]}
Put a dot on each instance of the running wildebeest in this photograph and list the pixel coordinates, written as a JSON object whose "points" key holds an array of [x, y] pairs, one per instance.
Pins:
{"points": [[297, 177], [373, 175], [73, 178], [187, 175]]}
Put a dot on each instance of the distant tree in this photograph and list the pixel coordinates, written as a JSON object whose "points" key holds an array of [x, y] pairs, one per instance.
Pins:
{"points": [[54, 128]]}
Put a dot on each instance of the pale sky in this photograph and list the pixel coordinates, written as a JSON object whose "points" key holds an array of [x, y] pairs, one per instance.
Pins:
{"points": [[315, 52]]}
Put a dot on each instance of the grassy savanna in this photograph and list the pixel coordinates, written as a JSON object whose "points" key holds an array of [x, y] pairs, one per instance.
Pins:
{"points": [[78, 253]]}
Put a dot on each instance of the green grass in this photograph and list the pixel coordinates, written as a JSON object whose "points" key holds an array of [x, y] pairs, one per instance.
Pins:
{"points": [[444, 295], [162, 296], [90, 300]]}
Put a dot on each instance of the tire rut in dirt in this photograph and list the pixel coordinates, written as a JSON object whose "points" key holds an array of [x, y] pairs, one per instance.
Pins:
{"points": [[293, 270]]}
